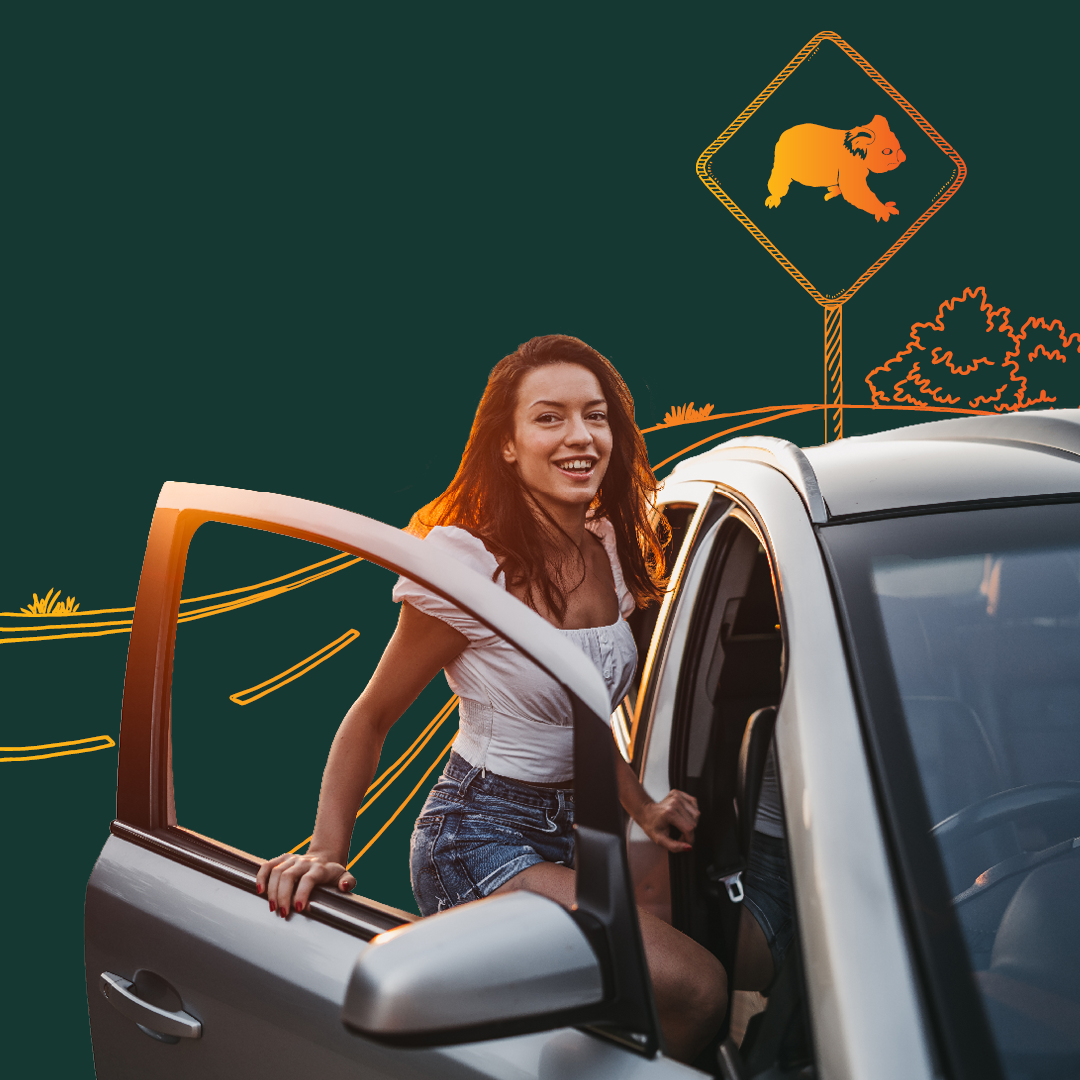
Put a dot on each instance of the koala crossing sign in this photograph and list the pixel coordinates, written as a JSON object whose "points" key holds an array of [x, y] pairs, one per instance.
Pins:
{"points": [[830, 121]]}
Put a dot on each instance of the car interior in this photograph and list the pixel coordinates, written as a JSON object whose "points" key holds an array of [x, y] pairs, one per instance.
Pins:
{"points": [[725, 705]]}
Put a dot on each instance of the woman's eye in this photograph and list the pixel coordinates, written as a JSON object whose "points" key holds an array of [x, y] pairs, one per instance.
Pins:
{"points": [[600, 416], [547, 418]]}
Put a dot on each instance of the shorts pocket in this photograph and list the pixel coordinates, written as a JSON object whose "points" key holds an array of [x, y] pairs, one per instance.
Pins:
{"points": [[427, 886]]}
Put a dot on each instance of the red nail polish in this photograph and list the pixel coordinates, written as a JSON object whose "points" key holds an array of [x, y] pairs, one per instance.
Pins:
{"points": [[258, 889], [273, 906], [299, 906]]}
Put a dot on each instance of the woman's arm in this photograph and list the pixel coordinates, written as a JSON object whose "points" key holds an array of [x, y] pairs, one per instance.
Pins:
{"points": [[676, 809], [421, 646]]}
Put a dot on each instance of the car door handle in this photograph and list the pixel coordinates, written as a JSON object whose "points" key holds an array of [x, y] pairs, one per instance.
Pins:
{"points": [[121, 996]]}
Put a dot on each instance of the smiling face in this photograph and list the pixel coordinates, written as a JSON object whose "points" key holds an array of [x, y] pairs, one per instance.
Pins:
{"points": [[561, 444]]}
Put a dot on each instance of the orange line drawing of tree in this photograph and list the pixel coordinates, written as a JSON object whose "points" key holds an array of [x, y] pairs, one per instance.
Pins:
{"points": [[971, 355]]}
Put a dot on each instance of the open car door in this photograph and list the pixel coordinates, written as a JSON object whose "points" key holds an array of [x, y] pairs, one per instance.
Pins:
{"points": [[188, 976]]}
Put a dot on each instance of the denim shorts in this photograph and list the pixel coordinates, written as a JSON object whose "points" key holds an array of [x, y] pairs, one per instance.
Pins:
{"points": [[477, 830], [767, 893]]}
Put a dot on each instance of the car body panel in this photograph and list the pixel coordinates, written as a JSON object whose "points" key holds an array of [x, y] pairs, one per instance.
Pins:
{"points": [[876, 476]]}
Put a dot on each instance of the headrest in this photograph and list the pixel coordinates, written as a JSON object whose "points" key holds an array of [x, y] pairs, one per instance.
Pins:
{"points": [[1038, 941]]}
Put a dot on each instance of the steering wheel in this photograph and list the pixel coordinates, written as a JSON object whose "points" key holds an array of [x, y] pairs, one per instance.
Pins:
{"points": [[1053, 803]]}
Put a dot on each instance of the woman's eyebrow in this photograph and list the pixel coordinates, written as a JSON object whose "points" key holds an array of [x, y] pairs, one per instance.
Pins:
{"points": [[562, 404]]}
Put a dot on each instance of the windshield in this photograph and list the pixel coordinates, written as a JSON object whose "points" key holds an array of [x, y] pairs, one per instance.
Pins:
{"points": [[966, 628]]}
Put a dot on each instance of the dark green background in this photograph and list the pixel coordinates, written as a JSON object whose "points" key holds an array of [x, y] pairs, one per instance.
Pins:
{"points": [[280, 248]]}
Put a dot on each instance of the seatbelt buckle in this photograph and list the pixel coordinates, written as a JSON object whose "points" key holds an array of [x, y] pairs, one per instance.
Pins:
{"points": [[733, 884]]}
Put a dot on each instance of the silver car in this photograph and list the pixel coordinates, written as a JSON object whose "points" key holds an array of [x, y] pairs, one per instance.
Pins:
{"points": [[898, 613]]}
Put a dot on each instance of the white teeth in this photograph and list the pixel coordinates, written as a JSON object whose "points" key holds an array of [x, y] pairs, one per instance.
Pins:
{"points": [[577, 465]]}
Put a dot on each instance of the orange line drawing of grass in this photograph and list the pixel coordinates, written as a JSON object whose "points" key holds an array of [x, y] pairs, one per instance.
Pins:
{"points": [[407, 757], [51, 605], [78, 746], [302, 667], [685, 414], [712, 416], [791, 410]]}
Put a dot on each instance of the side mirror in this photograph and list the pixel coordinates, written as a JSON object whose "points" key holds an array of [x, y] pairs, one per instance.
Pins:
{"points": [[507, 965]]}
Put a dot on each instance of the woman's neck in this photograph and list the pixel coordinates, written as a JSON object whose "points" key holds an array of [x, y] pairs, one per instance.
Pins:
{"points": [[570, 519]]}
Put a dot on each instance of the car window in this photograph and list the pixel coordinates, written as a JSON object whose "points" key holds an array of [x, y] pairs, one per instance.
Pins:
{"points": [[978, 615], [724, 663], [276, 639], [643, 622]]}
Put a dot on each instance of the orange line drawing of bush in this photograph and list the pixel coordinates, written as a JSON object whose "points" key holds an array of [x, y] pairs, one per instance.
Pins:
{"points": [[942, 365]]}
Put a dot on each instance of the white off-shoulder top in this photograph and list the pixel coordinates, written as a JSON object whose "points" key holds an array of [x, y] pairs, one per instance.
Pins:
{"points": [[515, 720]]}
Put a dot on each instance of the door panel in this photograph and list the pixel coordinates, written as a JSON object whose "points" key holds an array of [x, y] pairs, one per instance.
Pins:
{"points": [[264, 990]]}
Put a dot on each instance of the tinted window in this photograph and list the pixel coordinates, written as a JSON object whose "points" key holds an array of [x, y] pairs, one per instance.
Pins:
{"points": [[977, 617]]}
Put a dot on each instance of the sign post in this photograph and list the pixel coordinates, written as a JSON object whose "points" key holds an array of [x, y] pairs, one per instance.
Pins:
{"points": [[830, 121]]}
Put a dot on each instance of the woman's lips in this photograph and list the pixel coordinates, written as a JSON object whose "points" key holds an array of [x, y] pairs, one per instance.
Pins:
{"points": [[576, 474]]}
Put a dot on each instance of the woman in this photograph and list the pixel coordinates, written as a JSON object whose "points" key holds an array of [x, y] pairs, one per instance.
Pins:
{"points": [[550, 501]]}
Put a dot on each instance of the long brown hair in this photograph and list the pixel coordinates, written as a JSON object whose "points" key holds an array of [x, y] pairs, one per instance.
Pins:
{"points": [[487, 497]]}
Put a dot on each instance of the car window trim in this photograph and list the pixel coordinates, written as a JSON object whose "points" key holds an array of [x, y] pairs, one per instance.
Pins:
{"points": [[703, 493], [356, 916]]}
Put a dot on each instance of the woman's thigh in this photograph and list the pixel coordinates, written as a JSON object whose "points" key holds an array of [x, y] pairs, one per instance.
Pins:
{"points": [[672, 957]]}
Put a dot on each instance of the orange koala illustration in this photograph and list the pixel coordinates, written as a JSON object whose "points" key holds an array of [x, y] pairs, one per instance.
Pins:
{"points": [[817, 156]]}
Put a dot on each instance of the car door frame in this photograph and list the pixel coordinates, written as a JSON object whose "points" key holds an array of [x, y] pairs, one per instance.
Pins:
{"points": [[867, 1010]]}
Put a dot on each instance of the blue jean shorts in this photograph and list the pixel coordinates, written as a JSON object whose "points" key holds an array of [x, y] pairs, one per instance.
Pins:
{"points": [[768, 893], [477, 830]]}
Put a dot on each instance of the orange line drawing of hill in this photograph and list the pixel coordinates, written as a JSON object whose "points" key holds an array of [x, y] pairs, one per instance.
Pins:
{"points": [[59, 749], [264, 590], [971, 354], [394, 771], [302, 667]]}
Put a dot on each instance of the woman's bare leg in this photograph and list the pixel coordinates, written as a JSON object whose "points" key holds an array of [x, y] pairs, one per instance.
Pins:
{"points": [[689, 983], [753, 960]]}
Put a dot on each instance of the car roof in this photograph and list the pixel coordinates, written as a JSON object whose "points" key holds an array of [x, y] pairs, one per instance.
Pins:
{"points": [[959, 460]]}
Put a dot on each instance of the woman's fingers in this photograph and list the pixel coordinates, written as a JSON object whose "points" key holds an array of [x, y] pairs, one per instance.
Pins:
{"points": [[320, 874], [671, 843], [289, 881], [272, 885], [263, 875], [681, 811]]}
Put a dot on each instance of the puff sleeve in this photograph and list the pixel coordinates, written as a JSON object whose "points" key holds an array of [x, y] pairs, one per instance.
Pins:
{"points": [[463, 547], [604, 531]]}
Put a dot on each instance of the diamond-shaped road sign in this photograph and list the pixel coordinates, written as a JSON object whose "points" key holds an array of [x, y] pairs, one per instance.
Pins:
{"points": [[832, 171]]}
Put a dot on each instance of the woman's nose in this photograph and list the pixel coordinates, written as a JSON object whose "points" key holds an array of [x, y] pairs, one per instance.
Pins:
{"points": [[578, 433]]}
